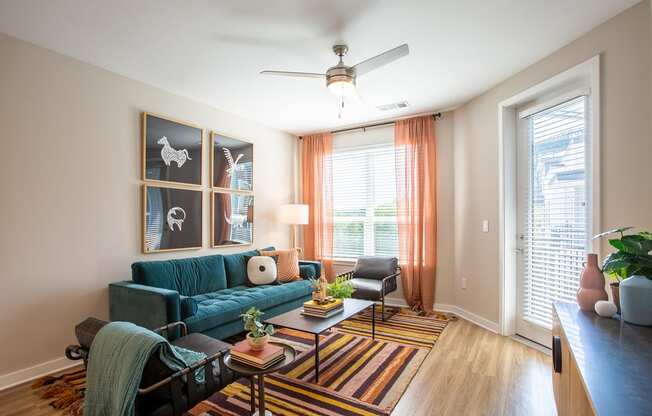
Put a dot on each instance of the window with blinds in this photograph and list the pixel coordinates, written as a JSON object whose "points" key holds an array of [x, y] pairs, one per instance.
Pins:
{"points": [[364, 202], [555, 230]]}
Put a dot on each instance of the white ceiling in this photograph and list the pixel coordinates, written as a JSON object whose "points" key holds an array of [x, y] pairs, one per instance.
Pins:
{"points": [[212, 51]]}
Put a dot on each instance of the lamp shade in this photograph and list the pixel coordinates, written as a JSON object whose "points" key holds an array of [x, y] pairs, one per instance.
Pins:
{"points": [[293, 214]]}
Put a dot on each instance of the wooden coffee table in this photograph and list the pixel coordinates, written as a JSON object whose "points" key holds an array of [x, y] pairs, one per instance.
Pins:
{"points": [[294, 319]]}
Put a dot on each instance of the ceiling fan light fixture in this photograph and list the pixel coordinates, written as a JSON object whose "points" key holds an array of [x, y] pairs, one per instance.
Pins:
{"points": [[340, 79], [342, 88]]}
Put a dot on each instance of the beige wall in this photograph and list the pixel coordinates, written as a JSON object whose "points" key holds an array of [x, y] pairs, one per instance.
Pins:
{"points": [[626, 195], [70, 187]]}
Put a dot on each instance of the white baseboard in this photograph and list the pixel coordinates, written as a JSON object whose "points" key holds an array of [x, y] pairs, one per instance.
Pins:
{"points": [[469, 316], [31, 373], [456, 310]]}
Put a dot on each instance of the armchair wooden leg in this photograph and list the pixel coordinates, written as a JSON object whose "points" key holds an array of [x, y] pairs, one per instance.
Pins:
{"points": [[382, 308]]}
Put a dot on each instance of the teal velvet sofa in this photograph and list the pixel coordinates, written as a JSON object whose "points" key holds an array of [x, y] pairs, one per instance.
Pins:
{"points": [[207, 293]]}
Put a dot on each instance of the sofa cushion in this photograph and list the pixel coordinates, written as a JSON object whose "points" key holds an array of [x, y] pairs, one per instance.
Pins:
{"points": [[190, 276], [261, 270], [236, 267], [287, 263], [187, 306], [307, 271], [217, 308]]}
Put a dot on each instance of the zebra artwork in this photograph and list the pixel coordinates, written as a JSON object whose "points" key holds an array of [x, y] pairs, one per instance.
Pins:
{"points": [[169, 154]]}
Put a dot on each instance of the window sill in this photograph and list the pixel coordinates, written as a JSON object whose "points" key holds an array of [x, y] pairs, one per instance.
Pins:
{"points": [[343, 261]]}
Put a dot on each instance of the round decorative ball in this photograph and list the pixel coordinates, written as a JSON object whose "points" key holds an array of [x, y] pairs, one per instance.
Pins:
{"points": [[605, 308]]}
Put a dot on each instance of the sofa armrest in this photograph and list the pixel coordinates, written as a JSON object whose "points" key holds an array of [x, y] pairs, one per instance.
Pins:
{"points": [[147, 306], [316, 265]]}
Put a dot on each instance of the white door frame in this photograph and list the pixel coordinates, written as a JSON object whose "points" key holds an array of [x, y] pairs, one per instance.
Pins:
{"points": [[586, 74]]}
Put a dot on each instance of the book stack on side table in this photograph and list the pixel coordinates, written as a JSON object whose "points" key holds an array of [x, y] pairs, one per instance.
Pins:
{"points": [[323, 310], [265, 358]]}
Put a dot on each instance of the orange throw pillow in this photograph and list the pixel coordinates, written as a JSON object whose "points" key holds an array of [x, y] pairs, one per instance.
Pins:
{"points": [[287, 265]]}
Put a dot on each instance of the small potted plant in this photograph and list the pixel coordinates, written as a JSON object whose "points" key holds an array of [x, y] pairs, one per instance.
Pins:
{"points": [[258, 335], [341, 288], [631, 268], [316, 289]]}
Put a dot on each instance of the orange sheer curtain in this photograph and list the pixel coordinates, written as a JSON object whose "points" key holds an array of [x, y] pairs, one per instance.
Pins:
{"points": [[317, 190], [416, 200]]}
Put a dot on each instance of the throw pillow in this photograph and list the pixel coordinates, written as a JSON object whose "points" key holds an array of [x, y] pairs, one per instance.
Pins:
{"points": [[287, 264], [261, 270]]}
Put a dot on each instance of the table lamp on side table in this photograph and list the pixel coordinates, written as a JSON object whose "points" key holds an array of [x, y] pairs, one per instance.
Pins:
{"points": [[294, 214]]}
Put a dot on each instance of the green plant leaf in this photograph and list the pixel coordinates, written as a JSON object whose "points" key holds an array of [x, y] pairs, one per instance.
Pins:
{"points": [[646, 235], [617, 263], [636, 244], [617, 244]]}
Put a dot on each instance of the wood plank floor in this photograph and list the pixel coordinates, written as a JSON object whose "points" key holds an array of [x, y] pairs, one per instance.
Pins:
{"points": [[470, 371]]}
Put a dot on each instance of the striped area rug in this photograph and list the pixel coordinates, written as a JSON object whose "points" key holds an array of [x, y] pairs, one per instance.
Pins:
{"points": [[284, 396], [403, 327], [358, 375], [373, 371]]}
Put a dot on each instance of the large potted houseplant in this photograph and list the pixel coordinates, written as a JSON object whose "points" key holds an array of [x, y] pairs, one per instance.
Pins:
{"points": [[258, 335], [631, 267]]}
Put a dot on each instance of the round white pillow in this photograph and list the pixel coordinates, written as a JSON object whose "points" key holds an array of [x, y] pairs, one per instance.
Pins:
{"points": [[261, 270]]}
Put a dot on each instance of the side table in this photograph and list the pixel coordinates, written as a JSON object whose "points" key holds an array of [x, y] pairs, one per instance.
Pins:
{"points": [[250, 372]]}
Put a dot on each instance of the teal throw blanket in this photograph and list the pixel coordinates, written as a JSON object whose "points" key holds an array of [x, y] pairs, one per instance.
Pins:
{"points": [[116, 361]]}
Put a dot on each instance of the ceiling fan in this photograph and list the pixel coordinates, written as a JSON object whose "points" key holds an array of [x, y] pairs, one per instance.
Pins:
{"points": [[340, 79]]}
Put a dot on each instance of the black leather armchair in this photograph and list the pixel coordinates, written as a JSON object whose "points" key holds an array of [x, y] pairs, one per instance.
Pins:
{"points": [[164, 392], [374, 277]]}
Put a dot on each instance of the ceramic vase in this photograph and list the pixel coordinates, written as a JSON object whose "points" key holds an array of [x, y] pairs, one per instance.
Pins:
{"points": [[635, 304], [591, 284]]}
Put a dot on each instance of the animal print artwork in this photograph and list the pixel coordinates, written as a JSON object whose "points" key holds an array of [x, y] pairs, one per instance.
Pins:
{"points": [[176, 216], [169, 154], [233, 166], [236, 220]]}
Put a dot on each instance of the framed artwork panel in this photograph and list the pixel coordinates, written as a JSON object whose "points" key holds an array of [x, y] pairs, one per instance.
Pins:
{"points": [[232, 163], [172, 151], [232, 219], [172, 219]]}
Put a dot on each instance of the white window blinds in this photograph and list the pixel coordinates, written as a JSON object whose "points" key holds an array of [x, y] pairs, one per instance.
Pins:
{"points": [[364, 202], [555, 229]]}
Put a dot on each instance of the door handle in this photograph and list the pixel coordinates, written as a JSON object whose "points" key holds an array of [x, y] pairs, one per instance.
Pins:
{"points": [[556, 354]]}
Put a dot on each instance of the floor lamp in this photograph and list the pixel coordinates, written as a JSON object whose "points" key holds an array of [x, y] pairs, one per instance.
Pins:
{"points": [[294, 214]]}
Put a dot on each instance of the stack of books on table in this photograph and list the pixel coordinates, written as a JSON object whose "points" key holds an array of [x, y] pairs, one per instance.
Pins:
{"points": [[326, 310], [265, 358]]}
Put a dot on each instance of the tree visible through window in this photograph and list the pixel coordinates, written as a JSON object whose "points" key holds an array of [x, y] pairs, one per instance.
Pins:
{"points": [[364, 202]]}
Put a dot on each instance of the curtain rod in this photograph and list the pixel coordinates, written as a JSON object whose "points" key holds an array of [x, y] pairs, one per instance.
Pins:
{"points": [[387, 123]]}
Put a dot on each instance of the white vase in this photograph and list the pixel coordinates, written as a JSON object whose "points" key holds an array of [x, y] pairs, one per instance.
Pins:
{"points": [[635, 300]]}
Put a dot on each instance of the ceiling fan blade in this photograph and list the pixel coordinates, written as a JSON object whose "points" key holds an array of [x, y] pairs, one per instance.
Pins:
{"points": [[382, 59], [293, 74]]}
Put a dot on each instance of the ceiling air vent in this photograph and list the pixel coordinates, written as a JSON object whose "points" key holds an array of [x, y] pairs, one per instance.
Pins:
{"points": [[393, 106]]}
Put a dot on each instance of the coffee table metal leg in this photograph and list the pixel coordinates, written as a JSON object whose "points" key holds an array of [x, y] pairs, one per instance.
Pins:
{"points": [[373, 321], [316, 358]]}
